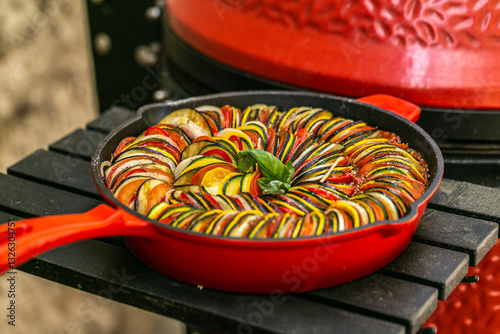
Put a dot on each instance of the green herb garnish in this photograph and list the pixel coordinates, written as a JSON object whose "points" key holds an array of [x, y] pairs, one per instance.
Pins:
{"points": [[277, 176]]}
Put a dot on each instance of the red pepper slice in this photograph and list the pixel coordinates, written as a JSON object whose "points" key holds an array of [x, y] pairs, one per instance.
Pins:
{"points": [[211, 200], [286, 210], [228, 115], [236, 139], [185, 198], [238, 202]]}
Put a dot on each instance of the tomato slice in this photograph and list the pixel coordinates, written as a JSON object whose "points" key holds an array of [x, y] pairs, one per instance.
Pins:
{"points": [[347, 189], [155, 130], [132, 201], [346, 178], [323, 193], [167, 220], [253, 138], [176, 137], [128, 192], [271, 137], [124, 143], [264, 115], [157, 195], [393, 138], [301, 134], [201, 138], [254, 186], [211, 123], [307, 227]]}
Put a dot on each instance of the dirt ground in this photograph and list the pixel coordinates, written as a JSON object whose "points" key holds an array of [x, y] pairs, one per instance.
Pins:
{"points": [[47, 91]]}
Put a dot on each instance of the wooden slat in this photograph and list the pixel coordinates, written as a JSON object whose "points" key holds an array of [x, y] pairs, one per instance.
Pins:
{"points": [[467, 199], [110, 119], [465, 234], [79, 143], [57, 170], [120, 276], [434, 266], [29, 199], [383, 297], [7, 217]]}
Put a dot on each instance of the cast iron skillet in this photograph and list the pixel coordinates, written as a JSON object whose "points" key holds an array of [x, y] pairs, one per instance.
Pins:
{"points": [[242, 265]]}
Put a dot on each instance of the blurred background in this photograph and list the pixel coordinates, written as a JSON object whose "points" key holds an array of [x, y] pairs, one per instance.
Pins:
{"points": [[46, 84], [47, 90]]}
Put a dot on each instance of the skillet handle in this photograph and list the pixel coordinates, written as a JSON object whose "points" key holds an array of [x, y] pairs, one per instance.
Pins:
{"points": [[398, 106], [24, 239]]}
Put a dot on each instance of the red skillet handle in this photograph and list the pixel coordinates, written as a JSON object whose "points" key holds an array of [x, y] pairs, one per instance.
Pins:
{"points": [[25, 239], [401, 107]]}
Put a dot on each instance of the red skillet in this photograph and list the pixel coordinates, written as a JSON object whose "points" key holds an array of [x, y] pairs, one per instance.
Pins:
{"points": [[231, 264]]}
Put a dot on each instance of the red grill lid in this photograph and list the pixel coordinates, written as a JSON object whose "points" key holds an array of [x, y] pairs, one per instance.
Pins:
{"points": [[437, 54]]}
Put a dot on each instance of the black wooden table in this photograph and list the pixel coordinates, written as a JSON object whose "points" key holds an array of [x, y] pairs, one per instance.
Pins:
{"points": [[458, 229]]}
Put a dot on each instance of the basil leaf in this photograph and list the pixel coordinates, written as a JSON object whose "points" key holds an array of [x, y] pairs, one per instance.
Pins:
{"points": [[288, 173], [277, 176], [269, 165], [272, 186], [246, 161]]}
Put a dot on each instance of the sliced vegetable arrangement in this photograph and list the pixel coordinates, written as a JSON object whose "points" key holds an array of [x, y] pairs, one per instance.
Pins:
{"points": [[265, 173]]}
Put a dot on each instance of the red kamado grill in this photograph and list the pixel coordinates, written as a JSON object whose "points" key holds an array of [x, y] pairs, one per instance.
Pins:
{"points": [[441, 55]]}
